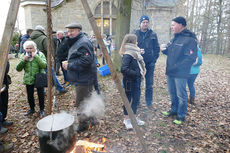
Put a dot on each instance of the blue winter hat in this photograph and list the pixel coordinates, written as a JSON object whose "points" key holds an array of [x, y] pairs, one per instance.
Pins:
{"points": [[144, 17], [180, 20]]}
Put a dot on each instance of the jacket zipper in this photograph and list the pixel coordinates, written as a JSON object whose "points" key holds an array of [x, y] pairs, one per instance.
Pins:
{"points": [[31, 72]]}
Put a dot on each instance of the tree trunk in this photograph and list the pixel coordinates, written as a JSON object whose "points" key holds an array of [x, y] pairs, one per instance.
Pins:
{"points": [[122, 27], [219, 33], [204, 32]]}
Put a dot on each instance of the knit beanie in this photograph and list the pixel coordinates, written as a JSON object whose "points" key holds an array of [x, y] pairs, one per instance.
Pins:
{"points": [[39, 27], [144, 17], [180, 20]]}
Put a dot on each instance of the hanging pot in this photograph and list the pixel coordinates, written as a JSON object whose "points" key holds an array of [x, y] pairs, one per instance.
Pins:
{"points": [[55, 133]]}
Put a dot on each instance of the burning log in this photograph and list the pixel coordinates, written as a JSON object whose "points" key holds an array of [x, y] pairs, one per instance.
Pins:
{"points": [[83, 146]]}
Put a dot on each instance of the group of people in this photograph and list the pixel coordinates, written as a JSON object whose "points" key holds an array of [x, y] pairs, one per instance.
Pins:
{"points": [[140, 52]]}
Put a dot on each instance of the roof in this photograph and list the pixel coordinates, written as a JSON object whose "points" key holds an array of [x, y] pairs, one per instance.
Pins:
{"points": [[161, 3], [54, 3]]}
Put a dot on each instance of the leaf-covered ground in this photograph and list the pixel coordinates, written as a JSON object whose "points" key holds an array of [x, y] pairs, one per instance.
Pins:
{"points": [[207, 126]]}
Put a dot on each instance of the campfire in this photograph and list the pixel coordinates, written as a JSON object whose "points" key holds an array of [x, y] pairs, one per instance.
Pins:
{"points": [[84, 146]]}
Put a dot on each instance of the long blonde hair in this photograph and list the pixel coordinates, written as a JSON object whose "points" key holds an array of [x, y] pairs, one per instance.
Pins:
{"points": [[129, 38]]}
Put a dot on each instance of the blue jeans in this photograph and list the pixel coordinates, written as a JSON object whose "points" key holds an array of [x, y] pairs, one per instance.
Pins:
{"points": [[149, 76], [191, 80], [178, 96], [58, 86], [132, 91]]}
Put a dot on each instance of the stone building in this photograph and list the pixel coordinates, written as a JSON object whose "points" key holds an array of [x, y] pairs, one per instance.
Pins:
{"points": [[160, 13]]}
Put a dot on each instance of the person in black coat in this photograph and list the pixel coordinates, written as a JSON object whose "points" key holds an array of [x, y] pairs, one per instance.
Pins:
{"points": [[181, 53], [148, 43], [62, 53], [4, 98], [81, 69], [132, 69]]}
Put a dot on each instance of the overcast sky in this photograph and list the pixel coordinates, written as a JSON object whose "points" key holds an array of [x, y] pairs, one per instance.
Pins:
{"points": [[4, 7]]}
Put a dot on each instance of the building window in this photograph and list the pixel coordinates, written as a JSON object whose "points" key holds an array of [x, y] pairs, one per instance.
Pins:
{"points": [[105, 15]]}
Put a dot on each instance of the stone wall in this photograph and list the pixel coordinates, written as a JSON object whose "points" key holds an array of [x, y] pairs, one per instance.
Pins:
{"points": [[160, 19], [67, 12], [72, 11], [34, 15]]}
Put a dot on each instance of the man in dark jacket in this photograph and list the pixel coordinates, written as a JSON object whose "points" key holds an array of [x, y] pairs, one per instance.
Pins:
{"points": [[181, 53], [4, 98], [81, 69], [148, 43], [24, 38], [39, 37], [62, 49]]}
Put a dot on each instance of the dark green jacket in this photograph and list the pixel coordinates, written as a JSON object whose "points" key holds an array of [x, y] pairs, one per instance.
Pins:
{"points": [[40, 39], [31, 68]]}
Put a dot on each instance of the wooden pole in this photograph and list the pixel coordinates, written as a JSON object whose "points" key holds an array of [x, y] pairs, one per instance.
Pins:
{"points": [[114, 74], [49, 53], [7, 37]]}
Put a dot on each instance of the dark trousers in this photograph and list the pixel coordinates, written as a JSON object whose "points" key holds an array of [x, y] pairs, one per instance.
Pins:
{"points": [[4, 96], [132, 91], [82, 92], [57, 66], [30, 96]]}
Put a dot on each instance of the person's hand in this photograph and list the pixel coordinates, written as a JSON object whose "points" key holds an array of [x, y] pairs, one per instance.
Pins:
{"points": [[33, 54], [26, 57], [65, 65], [98, 64], [163, 47]]}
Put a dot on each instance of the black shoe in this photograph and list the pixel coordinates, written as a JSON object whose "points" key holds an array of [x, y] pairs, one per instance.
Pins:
{"points": [[29, 112], [6, 148], [93, 121], [42, 113], [7, 123], [3, 130]]}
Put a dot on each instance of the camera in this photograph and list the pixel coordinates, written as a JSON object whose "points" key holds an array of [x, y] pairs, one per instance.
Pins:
{"points": [[30, 54]]}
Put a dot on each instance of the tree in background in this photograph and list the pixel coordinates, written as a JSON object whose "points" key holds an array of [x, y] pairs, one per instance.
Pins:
{"points": [[122, 27], [210, 20]]}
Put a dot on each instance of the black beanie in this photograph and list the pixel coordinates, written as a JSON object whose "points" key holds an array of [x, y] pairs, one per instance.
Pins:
{"points": [[180, 20]]}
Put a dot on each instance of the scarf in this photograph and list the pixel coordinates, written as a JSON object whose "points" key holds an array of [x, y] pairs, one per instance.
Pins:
{"points": [[134, 51]]}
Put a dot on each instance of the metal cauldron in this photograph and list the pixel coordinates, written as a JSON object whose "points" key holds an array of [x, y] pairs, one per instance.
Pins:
{"points": [[55, 133]]}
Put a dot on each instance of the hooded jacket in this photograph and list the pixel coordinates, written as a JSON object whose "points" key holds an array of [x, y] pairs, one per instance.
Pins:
{"points": [[149, 42], [181, 54], [81, 66], [31, 68], [40, 39], [23, 40]]}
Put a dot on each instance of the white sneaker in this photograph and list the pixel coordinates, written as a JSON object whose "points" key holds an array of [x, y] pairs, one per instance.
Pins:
{"points": [[139, 121], [128, 124]]}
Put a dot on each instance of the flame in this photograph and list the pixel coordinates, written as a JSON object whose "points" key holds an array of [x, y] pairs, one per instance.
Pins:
{"points": [[89, 147]]}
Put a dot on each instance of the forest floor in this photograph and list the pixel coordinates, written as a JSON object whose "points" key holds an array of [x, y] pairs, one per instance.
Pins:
{"points": [[206, 129]]}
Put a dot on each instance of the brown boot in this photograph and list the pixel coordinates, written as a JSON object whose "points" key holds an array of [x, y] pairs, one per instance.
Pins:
{"points": [[192, 100]]}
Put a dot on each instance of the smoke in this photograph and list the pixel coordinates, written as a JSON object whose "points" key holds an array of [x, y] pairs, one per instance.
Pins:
{"points": [[56, 130], [93, 106]]}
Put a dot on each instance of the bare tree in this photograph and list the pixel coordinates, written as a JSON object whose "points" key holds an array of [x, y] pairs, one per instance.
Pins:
{"points": [[122, 27]]}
